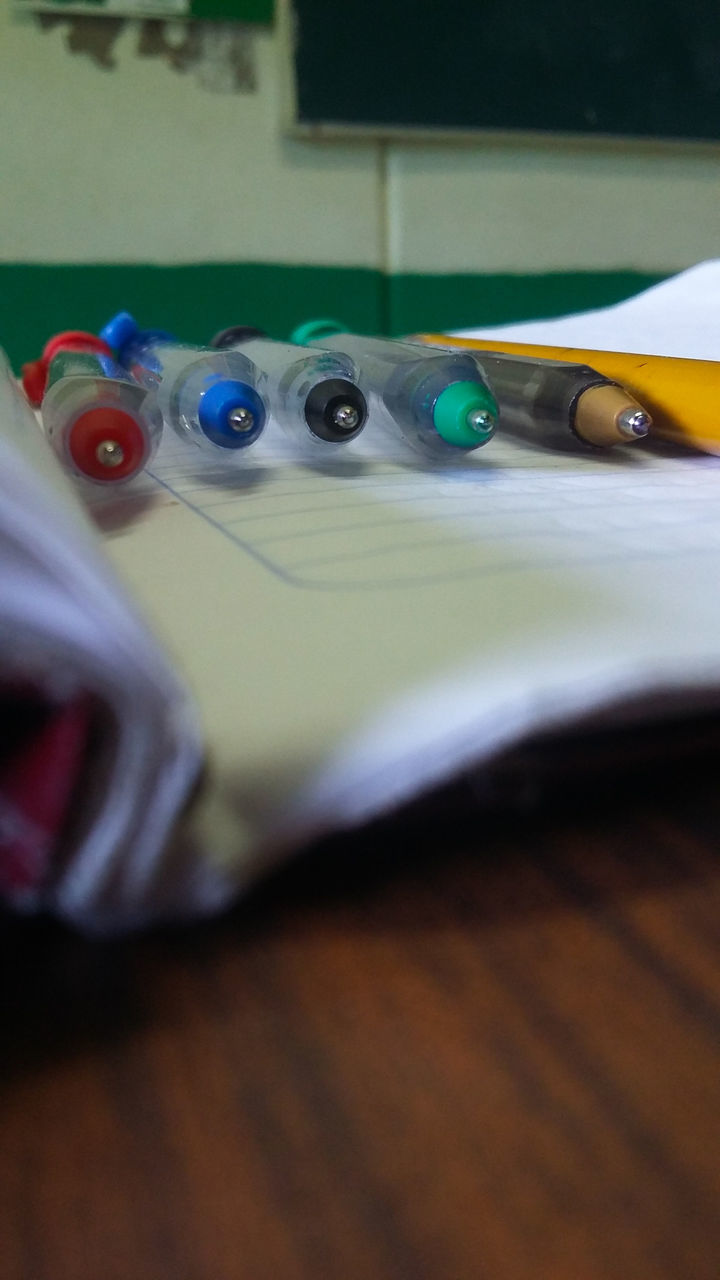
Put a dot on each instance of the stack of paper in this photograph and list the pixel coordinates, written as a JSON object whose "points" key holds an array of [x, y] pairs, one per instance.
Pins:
{"points": [[69, 633], [678, 317], [356, 632]]}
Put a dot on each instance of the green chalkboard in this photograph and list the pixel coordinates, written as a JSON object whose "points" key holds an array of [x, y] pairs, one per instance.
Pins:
{"points": [[643, 68]]}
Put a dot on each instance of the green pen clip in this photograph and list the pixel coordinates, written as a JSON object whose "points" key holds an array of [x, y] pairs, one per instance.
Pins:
{"points": [[316, 330]]}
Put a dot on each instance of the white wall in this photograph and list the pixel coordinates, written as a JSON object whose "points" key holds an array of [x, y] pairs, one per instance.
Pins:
{"points": [[141, 163], [519, 208]]}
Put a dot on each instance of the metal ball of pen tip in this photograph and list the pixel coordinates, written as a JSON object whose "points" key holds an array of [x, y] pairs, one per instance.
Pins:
{"points": [[110, 453], [345, 417], [480, 420], [241, 419], [633, 423]]}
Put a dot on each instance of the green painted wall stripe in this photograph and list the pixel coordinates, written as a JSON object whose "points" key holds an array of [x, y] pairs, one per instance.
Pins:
{"points": [[195, 301], [191, 301], [460, 301]]}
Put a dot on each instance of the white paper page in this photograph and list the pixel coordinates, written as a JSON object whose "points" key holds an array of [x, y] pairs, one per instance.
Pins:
{"points": [[678, 317], [67, 625], [356, 633]]}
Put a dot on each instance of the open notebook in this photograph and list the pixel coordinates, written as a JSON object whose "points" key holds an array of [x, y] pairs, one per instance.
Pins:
{"points": [[355, 631]]}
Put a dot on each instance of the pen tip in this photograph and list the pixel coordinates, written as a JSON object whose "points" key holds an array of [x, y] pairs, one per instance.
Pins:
{"points": [[107, 444], [606, 415], [240, 419], [345, 417], [480, 420], [634, 423], [335, 410], [110, 453]]}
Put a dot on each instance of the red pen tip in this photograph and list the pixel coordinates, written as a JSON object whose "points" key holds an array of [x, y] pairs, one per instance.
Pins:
{"points": [[107, 444]]}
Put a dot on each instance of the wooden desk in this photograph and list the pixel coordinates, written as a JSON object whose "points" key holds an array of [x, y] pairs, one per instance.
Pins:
{"points": [[495, 1056]]}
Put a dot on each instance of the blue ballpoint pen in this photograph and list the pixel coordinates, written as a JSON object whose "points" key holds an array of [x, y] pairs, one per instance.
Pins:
{"points": [[209, 397]]}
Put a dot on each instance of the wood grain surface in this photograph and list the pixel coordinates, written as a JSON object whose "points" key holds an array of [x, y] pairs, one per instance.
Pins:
{"points": [[453, 1047]]}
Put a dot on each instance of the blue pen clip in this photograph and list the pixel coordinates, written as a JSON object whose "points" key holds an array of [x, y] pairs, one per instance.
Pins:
{"points": [[123, 332]]}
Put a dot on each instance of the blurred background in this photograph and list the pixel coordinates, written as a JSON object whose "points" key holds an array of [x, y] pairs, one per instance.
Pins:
{"points": [[149, 160]]}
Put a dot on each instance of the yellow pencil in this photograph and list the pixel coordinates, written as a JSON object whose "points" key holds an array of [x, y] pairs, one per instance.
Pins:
{"points": [[683, 396]]}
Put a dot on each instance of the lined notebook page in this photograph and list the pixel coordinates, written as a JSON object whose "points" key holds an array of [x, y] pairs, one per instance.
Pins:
{"points": [[361, 524], [358, 631], [361, 527]]}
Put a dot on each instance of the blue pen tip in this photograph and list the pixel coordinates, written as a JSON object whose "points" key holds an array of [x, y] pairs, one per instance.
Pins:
{"points": [[231, 414]]}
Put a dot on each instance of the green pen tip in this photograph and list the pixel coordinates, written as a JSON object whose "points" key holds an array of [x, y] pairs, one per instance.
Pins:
{"points": [[465, 414]]}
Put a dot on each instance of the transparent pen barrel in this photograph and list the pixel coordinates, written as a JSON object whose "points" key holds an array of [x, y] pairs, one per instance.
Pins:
{"points": [[376, 359], [197, 390], [88, 416], [404, 383], [313, 396], [538, 397]]}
